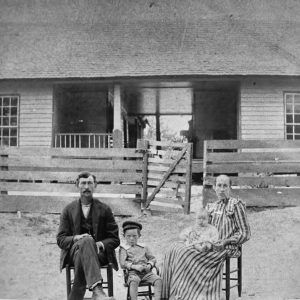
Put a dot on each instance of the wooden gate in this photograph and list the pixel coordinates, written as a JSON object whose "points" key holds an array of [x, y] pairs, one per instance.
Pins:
{"points": [[167, 175]]}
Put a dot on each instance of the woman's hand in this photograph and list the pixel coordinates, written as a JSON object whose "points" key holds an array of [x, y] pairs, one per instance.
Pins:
{"points": [[199, 246], [206, 246], [219, 245]]}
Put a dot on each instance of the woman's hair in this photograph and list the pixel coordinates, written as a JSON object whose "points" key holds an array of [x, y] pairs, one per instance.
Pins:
{"points": [[215, 180]]}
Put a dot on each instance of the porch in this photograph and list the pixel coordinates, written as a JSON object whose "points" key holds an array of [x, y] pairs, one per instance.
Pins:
{"points": [[109, 115], [83, 140], [102, 141]]}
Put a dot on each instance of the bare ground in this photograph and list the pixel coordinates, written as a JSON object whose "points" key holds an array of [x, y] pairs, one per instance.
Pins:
{"points": [[29, 256]]}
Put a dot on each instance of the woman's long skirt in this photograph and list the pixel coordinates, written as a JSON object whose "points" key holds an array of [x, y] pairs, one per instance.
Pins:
{"points": [[188, 274]]}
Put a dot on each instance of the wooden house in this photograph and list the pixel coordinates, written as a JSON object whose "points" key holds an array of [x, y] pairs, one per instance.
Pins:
{"points": [[73, 72]]}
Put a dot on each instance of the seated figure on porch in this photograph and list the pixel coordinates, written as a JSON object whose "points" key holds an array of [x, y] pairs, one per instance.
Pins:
{"points": [[189, 274], [201, 235], [88, 235], [138, 260]]}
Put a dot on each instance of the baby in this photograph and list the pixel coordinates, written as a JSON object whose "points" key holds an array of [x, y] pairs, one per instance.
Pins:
{"points": [[202, 235], [138, 260]]}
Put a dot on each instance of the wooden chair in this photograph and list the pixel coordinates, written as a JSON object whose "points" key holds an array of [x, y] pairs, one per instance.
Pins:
{"points": [[237, 273], [106, 284], [147, 293]]}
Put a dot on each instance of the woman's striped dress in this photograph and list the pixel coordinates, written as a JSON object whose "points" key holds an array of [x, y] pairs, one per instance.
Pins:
{"points": [[192, 275]]}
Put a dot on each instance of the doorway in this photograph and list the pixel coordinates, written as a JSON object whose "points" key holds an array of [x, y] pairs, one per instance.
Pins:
{"points": [[168, 128], [214, 117]]}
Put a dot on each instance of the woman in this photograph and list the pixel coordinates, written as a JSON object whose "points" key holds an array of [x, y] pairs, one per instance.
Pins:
{"points": [[190, 274]]}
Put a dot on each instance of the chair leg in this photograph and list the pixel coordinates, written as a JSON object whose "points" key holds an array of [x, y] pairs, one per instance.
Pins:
{"points": [[227, 278], [239, 265], [128, 292], [150, 291], [68, 280], [110, 280]]}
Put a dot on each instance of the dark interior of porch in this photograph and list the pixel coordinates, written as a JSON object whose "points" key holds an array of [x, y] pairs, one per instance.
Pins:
{"points": [[82, 114]]}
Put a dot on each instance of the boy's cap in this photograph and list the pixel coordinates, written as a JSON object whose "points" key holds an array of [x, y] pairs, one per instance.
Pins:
{"points": [[131, 225]]}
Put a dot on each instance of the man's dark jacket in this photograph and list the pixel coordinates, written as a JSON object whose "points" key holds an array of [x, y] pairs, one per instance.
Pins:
{"points": [[105, 229]]}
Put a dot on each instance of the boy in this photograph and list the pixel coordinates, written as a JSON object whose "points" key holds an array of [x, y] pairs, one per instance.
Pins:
{"points": [[138, 260]]}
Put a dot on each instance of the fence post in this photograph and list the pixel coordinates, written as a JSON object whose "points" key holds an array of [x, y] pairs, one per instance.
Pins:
{"points": [[142, 146], [204, 189], [188, 183]]}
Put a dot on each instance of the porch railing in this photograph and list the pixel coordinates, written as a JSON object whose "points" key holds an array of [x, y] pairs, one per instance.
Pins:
{"points": [[83, 140]]}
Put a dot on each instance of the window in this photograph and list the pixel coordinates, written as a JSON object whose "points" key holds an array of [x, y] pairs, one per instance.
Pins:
{"points": [[9, 115]]}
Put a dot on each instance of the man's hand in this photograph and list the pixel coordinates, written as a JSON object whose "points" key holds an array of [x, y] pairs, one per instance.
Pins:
{"points": [[100, 247], [80, 236]]}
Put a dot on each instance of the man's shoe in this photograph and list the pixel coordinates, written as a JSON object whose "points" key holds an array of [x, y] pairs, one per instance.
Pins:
{"points": [[98, 293]]}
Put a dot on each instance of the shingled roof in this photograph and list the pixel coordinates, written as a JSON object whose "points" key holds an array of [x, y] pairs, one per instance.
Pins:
{"points": [[132, 38]]}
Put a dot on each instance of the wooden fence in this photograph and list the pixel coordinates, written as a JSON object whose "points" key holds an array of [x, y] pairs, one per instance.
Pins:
{"points": [[263, 172], [167, 175], [42, 179]]}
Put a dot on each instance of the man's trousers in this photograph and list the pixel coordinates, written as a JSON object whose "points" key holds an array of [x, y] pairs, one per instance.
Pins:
{"points": [[86, 261]]}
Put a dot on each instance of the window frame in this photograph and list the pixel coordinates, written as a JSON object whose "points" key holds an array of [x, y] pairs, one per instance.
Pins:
{"points": [[9, 117]]}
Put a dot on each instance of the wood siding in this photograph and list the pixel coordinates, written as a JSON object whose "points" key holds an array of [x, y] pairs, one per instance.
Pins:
{"points": [[262, 107], [35, 125]]}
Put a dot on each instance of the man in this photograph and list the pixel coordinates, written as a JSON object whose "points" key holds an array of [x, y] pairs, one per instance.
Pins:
{"points": [[88, 235]]}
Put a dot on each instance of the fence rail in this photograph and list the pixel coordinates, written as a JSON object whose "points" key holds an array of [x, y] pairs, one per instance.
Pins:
{"points": [[39, 179], [263, 172], [42, 179], [83, 140]]}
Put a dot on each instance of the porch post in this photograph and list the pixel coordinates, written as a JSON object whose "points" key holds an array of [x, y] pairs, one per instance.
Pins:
{"points": [[157, 114], [117, 131]]}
